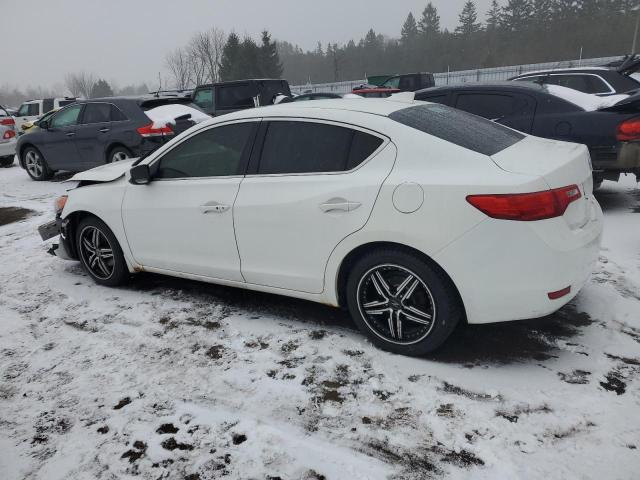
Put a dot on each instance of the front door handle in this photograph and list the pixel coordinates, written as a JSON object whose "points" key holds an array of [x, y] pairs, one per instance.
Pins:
{"points": [[214, 207], [70, 134], [339, 205], [104, 130]]}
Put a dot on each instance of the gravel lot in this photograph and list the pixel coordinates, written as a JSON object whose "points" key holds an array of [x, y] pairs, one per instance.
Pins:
{"points": [[173, 379]]}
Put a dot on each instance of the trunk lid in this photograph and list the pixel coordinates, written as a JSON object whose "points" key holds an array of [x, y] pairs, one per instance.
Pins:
{"points": [[560, 164]]}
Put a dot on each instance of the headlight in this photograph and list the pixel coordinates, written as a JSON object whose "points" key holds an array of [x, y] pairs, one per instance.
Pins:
{"points": [[59, 204]]}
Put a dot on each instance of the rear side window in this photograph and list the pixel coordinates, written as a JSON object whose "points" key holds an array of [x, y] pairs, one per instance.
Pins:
{"points": [[582, 83], [307, 147], [117, 115], [215, 152], [236, 96], [96, 113], [489, 106], [458, 127]]}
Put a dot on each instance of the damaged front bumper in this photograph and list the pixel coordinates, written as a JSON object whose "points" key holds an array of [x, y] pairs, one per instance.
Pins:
{"points": [[53, 229]]}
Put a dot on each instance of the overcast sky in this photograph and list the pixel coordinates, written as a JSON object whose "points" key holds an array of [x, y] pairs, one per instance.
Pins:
{"points": [[125, 41]]}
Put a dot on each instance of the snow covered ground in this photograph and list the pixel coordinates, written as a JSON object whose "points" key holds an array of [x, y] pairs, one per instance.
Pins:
{"points": [[174, 379]]}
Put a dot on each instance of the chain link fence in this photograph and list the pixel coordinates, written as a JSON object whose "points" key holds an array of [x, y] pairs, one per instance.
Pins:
{"points": [[463, 76]]}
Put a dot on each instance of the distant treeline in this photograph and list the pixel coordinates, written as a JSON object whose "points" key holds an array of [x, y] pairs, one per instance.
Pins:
{"points": [[515, 32]]}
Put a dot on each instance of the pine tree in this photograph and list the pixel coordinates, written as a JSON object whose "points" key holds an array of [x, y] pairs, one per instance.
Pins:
{"points": [[429, 24], [249, 60], [468, 19], [516, 15], [230, 58], [409, 30], [270, 65], [542, 13], [101, 89], [493, 16]]}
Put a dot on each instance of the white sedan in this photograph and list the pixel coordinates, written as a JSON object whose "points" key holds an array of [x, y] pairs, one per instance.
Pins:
{"points": [[414, 216]]}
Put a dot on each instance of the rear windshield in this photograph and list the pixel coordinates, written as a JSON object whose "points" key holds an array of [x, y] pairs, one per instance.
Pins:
{"points": [[458, 127]]}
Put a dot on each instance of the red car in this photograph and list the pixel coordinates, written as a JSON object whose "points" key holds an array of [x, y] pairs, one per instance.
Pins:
{"points": [[376, 92]]}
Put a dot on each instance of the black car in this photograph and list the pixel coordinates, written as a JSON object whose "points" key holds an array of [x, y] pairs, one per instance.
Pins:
{"points": [[226, 97], [612, 134], [89, 133], [606, 80]]}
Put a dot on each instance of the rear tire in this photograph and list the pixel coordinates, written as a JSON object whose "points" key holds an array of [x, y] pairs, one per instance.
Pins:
{"points": [[36, 165], [100, 253], [119, 153], [402, 303]]}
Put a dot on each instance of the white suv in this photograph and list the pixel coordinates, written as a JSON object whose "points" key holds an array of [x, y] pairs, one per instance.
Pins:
{"points": [[34, 109]]}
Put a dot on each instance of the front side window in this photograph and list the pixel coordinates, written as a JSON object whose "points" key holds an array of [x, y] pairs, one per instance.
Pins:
{"points": [[216, 152], [96, 113], [29, 110], [67, 117], [204, 98], [306, 147]]}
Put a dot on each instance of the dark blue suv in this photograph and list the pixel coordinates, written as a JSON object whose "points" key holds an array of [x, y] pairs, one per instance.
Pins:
{"points": [[89, 133]]}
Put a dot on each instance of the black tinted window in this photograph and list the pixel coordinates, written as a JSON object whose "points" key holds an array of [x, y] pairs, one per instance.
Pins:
{"points": [[117, 115], [213, 153], [236, 96], [486, 105], [435, 98], [458, 127], [271, 89], [96, 113], [305, 147], [362, 146]]}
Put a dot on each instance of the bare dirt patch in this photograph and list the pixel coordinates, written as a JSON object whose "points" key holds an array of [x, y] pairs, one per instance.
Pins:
{"points": [[14, 214]]}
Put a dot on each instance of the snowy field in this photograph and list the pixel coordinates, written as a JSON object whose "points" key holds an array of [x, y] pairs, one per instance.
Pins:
{"points": [[172, 379]]}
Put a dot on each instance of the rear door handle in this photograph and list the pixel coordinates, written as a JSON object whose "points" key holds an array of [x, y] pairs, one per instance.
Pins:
{"points": [[70, 134], [339, 205], [104, 130], [213, 207]]}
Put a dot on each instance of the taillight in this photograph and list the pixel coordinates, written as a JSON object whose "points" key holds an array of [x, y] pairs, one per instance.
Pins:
{"points": [[151, 131], [8, 134], [629, 130], [7, 121], [526, 206]]}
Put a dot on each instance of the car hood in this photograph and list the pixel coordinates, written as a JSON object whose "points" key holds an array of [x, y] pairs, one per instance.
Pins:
{"points": [[104, 173]]}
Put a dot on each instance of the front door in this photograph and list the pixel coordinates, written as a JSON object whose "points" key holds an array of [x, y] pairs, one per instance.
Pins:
{"points": [[183, 220], [59, 146], [316, 183]]}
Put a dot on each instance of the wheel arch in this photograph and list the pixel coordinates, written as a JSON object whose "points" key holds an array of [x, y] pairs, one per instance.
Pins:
{"points": [[358, 252], [71, 224], [21, 150], [111, 147]]}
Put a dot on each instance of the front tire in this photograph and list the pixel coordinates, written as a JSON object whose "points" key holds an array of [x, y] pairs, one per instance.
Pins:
{"points": [[100, 253], [402, 303], [36, 165]]}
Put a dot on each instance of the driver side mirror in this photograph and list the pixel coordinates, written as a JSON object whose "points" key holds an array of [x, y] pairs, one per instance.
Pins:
{"points": [[140, 175], [44, 125]]}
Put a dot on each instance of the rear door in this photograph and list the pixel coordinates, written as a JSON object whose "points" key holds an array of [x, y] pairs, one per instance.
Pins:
{"points": [[58, 145], [93, 134], [313, 184]]}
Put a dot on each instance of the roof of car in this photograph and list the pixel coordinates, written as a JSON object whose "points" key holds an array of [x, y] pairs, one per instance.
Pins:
{"points": [[374, 106], [524, 86], [566, 70], [232, 82]]}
